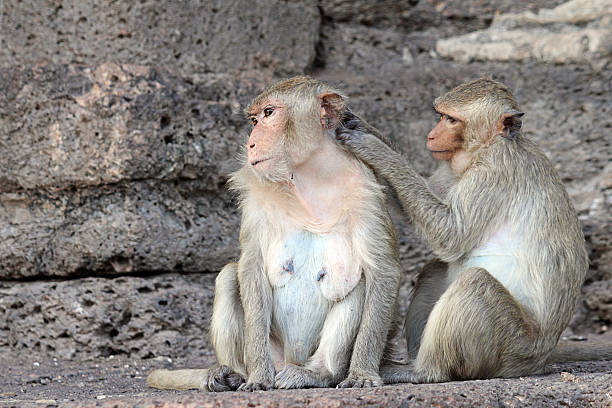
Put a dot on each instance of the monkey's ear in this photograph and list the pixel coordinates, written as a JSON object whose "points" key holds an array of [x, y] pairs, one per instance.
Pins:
{"points": [[511, 124], [331, 107]]}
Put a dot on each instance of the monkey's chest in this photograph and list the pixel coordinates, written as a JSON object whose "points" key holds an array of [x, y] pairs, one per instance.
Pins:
{"points": [[321, 263], [309, 273]]}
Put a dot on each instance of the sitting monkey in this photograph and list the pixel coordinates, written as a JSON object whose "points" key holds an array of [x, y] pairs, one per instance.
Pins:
{"points": [[512, 250], [311, 301]]}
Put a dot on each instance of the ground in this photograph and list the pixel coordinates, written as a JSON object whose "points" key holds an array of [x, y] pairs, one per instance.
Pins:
{"points": [[120, 382]]}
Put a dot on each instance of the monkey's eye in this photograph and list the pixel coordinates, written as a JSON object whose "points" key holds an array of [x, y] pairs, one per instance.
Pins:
{"points": [[268, 111], [448, 118], [253, 120]]}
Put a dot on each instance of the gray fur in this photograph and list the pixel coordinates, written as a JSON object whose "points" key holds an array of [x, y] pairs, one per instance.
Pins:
{"points": [[506, 210], [282, 314]]}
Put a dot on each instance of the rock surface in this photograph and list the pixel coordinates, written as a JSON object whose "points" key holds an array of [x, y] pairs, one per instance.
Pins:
{"points": [[189, 37], [117, 169], [120, 123], [166, 315], [579, 31]]}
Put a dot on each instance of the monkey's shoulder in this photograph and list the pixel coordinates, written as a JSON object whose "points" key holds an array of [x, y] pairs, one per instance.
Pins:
{"points": [[326, 260]]}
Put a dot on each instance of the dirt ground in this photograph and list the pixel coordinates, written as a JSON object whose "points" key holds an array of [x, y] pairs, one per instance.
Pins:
{"points": [[120, 382]]}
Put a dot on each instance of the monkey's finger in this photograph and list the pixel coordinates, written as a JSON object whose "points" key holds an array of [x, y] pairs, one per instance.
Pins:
{"points": [[348, 383], [360, 383], [245, 387], [250, 387], [352, 124], [368, 384], [341, 136], [216, 384], [348, 115], [234, 381], [347, 134]]}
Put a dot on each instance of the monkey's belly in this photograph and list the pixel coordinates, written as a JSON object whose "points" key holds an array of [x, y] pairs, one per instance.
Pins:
{"points": [[498, 257], [298, 317], [309, 273]]}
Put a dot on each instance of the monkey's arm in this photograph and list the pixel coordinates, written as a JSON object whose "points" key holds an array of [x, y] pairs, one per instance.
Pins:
{"points": [[256, 296], [441, 181], [441, 222]]}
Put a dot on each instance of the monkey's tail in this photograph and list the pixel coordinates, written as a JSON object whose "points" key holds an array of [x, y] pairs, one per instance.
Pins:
{"points": [[186, 379], [566, 352]]}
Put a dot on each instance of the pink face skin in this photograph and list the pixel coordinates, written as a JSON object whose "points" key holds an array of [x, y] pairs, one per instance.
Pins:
{"points": [[269, 121], [323, 177], [446, 138]]}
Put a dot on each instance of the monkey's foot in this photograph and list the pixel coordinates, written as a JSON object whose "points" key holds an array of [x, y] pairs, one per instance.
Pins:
{"points": [[250, 387], [222, 378], [393, 373], [293, 376], [361, 381], [260, 379]]}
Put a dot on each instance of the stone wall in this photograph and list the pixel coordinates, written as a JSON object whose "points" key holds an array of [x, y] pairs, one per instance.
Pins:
{"points": [[120, 122]]}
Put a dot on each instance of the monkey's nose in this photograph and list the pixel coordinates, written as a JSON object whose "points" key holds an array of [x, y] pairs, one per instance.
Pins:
{"points": [[251, 146]]}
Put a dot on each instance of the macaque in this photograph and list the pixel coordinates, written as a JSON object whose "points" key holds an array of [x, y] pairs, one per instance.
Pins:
{"points": [[311, 301], [511, 251]]}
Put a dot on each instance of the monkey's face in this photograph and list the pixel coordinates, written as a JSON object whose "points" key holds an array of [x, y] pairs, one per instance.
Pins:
{"points": [[265, 151], [446, 138]]}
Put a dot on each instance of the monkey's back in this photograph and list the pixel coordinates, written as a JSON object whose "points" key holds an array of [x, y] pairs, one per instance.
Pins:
{"points": [[538, 233]]}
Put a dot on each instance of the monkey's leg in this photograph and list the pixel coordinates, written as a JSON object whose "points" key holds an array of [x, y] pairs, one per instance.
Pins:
{"points": [[391, 348], [430, 285], [382, 287], [329, 363], [226, 333], [477, 330], [257, 297]]}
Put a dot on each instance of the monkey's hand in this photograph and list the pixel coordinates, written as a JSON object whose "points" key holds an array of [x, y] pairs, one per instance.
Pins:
{"points": [[350, 120], [363, 144], [363, 380]]}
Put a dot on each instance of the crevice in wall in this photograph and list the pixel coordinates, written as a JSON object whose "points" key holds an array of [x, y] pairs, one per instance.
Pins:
{"points": [[101, 275]]}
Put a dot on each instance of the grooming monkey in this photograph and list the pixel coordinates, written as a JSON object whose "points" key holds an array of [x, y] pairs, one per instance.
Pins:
{"points": [[311, 301], [512, 252]]}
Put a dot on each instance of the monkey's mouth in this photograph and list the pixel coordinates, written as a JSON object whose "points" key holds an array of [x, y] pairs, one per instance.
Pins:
{"points": [[440, 151], [256, 162]]}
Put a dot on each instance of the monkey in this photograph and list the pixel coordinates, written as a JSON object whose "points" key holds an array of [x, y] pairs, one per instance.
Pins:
{"points": [[512, 255], [312, 300]]}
